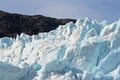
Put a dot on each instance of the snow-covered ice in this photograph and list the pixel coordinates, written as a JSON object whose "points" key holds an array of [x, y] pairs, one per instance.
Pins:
{"points": [[85, 50]]}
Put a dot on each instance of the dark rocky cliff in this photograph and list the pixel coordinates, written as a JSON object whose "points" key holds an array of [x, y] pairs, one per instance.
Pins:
{"points": [[12, 24]]}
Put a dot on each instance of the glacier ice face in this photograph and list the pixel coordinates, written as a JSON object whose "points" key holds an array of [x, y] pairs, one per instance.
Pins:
{"points": [[85, 50]]}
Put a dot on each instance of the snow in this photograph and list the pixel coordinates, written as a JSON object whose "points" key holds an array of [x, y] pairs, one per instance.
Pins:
{"points": [[85, 50]]}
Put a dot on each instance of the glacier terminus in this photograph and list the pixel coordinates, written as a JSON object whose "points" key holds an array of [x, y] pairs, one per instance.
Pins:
{"points": [[85, 50]]}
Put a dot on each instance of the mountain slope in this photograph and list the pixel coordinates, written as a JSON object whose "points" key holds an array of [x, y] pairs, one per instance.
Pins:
{"points": [[13, 24], [86, 50]]}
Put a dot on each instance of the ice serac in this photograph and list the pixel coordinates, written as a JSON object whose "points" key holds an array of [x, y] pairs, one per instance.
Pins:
{"points": [[85, 50]]}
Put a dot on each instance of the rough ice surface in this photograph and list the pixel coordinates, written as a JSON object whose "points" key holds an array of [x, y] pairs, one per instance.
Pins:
{"points": [[85, 50]]}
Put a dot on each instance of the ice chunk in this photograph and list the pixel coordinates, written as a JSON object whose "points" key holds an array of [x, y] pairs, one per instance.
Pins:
{"points": [[6, 42]]}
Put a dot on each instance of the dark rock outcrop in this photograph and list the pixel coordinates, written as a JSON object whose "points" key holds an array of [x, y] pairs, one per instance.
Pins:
{"points": [[12, 24]]}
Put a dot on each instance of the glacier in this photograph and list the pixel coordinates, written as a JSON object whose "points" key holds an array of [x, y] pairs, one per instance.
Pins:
{"points": [[85, 50]]}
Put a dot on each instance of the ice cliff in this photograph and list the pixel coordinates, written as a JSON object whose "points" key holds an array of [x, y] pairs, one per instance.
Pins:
{"points": [[85, 50]]}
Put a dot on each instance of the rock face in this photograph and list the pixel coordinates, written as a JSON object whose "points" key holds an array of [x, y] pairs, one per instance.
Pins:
{"points": [[13, 24]]}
